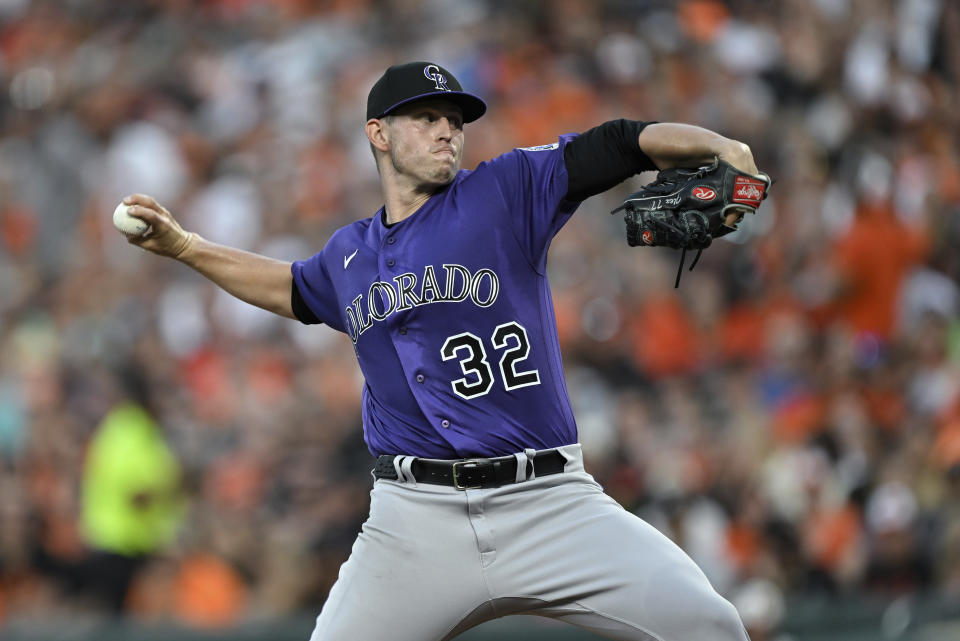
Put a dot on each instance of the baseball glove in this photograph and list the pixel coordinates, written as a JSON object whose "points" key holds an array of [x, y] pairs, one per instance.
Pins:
{"points": [[686, 208]]}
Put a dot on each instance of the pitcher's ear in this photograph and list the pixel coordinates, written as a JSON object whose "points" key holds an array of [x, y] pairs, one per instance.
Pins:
{"points": [[377, 133]]}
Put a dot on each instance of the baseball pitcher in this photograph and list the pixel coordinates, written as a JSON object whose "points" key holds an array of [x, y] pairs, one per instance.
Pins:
{"points": [[481, 506]]}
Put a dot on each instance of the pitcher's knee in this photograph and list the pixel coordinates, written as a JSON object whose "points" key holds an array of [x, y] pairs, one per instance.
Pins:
{"points": [[696, 614], [719, 621]]}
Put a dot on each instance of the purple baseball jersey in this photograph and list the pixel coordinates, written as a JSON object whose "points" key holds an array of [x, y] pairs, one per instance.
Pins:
{"points": [[451, 315]]}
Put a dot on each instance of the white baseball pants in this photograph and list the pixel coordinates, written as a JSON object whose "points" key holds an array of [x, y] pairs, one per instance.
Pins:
{"points": [[432, 561]]}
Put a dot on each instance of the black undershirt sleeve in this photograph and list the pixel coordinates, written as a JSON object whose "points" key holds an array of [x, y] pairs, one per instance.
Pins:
{"points": [[603, 157], [300, 309]]}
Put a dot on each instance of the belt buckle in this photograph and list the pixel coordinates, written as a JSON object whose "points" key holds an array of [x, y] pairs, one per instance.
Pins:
{"points": [[467, 463]]}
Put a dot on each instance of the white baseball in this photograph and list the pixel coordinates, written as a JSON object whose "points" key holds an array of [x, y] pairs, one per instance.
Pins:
{"points": [[126, 223]]}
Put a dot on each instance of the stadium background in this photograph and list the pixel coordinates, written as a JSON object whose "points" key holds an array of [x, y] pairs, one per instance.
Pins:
{"points": [[790, 415]]}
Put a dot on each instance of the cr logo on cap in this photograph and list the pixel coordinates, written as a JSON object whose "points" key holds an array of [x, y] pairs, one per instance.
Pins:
{"points": [[432, 72]]}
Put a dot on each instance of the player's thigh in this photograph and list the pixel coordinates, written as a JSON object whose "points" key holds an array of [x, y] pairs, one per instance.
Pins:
{"points": [[657, 589], [594, 564], [409, 576]]}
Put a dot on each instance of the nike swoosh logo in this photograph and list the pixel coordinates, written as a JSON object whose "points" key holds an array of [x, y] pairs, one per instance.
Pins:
{"points": [[347, 259]]}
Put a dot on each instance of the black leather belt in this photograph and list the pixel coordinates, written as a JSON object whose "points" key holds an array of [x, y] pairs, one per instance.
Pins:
{"points": [[474, 473]]}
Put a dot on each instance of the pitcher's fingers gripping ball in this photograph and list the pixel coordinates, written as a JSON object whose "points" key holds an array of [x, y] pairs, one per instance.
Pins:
{"points": [[686, 208], [149, 225], [126, 223]]}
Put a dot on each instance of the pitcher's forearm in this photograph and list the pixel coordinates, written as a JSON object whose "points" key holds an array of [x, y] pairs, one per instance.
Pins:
{"points": [[258, 280], [674, 144]]}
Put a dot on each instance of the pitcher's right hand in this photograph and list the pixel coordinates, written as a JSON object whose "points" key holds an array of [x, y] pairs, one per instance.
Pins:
{"points": [[164, 236]]}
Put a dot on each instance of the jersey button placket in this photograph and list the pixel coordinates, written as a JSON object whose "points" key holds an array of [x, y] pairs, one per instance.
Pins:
{"points": [[445, 424], [420, 378]]}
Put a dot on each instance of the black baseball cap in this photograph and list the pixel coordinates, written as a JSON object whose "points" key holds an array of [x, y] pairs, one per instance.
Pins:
{"points": [[402, 84]]}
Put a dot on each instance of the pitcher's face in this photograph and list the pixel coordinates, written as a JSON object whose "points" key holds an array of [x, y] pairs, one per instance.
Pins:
{"points": [[426, 141]]}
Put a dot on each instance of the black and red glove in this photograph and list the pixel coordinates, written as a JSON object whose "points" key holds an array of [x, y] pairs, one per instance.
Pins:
{"points": [[686, 208]]}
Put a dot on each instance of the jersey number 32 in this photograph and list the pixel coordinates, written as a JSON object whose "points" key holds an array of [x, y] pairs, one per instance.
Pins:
{"points": [[477, 374]]}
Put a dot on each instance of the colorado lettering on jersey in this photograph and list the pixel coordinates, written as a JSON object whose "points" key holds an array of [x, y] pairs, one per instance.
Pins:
{"points": [[405, 291]]}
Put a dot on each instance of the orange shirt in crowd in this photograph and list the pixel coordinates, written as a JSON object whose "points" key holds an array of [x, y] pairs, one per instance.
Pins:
{"points": [[946, 447], [744, 545], [208, 592], [737, 334], [831, 536], [798, 418], [872, 258], [665, 338]]}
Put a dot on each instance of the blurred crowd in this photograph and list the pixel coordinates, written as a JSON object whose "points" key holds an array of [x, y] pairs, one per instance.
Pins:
{"points": [[790, 414]]}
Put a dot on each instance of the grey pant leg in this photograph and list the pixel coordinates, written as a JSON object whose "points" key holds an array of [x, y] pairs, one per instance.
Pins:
{"points": [[414, 571], [568, 547]]}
